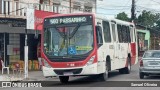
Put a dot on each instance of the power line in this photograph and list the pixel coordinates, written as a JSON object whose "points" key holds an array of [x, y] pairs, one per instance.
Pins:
{"points": [[136, 1], [112, 8], [115, 7], [102, 5], [148, 9], [155, 1], [125, 5]]}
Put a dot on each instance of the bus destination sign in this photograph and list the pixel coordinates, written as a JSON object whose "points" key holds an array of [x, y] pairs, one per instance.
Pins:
{"points": [[68, 20]]}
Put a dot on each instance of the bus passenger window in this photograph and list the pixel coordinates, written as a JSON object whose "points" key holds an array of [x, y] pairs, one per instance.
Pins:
{"points": [[128, 35], [131, 33], [123, 34], [113, 32], [106, 31], [120, 35]]}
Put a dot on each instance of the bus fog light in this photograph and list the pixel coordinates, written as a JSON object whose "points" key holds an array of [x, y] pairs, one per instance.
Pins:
{"points": [[91, 60]]}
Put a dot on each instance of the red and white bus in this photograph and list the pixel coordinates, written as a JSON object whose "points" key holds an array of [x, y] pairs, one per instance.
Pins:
{"points": [[86, 44]]}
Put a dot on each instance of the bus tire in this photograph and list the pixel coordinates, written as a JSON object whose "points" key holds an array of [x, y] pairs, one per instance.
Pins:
{"points": [[64, 79], [141, 75], [121, 71], [127, 69], [104, 76], [108, 61]]}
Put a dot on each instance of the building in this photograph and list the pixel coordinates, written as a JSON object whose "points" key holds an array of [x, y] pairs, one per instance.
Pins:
{"points": [[148, 39], [12, 32], [13, 23], [69, 6]]}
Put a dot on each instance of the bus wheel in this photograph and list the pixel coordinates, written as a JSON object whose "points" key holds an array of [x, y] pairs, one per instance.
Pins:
{"points": [[121, 71], [104, 76], [127, 69], [64, 79], [141, 75]]}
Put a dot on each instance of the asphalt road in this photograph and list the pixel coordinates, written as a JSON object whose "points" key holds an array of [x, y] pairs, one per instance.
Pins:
{"points": [[115, 81], [113, 76]]}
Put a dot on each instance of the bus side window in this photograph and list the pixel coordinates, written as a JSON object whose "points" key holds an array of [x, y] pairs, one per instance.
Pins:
{"points": [[132, 33], [99, 35], [124, 33], [128, 34], [135, 37], [106, 31], [113, 32], [119, 29]]}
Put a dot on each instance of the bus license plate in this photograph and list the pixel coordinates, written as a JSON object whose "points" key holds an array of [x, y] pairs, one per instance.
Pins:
{"points": [[68, 73], [153, 63]]}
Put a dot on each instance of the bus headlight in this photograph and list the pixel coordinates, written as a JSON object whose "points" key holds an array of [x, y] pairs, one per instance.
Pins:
{"points": [[91, 60], [46, 64]]}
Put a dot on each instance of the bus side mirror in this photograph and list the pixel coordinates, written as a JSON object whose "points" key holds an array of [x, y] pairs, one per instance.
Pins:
{"points": [[99, 36]]}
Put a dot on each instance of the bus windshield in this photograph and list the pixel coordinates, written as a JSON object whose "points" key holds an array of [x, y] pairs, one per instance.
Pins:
{"points": [[68, 40]]}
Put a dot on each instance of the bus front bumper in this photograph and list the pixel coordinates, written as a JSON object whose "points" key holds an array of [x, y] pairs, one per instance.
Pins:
{"points": [[76, 71]]}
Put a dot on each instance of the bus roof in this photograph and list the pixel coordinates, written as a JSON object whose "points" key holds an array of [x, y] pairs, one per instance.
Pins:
{"points": [[114, 20]]}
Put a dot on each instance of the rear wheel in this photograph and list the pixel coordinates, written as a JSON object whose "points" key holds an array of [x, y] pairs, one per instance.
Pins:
{"points": [[141, 75], [121, 71], [127, 69], [64, 79]]}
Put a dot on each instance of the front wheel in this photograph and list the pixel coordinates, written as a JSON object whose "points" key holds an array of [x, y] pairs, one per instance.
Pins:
{"points": [[104, 76], [141, 75], [64, 79]]}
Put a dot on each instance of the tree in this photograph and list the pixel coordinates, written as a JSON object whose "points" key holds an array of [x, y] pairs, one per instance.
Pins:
{"points": [[147, 19], [123, 16]]}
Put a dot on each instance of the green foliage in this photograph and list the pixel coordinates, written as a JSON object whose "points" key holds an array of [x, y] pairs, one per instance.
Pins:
{"points": [[147, 19], [123, 16]]}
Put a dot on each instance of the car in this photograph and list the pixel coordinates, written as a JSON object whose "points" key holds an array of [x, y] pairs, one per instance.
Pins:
{"points": [[150, 63]]}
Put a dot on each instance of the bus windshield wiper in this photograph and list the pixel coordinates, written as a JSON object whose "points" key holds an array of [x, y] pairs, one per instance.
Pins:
{"points": [[62, 35], [74, 31]]}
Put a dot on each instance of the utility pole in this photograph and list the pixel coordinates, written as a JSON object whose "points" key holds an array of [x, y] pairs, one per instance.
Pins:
{"points": [[26, 56], [133, 11], [70, 6]]}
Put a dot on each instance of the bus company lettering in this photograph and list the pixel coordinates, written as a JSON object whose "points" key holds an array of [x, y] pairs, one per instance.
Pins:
{"points": [[68, 20]]}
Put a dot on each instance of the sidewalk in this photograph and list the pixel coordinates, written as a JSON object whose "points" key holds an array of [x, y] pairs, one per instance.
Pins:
{"points": [[10, 77], [38, 76], [33, 76]]}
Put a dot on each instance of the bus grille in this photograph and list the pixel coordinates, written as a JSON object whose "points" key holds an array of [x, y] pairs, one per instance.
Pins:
{"points": [[74, 71]]}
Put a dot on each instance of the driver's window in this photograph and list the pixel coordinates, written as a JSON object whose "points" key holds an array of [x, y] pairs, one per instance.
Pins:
{"points": [[99, 35]]}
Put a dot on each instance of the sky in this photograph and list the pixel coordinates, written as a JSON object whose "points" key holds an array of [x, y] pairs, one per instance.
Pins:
{"points": [[112, 7]]}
